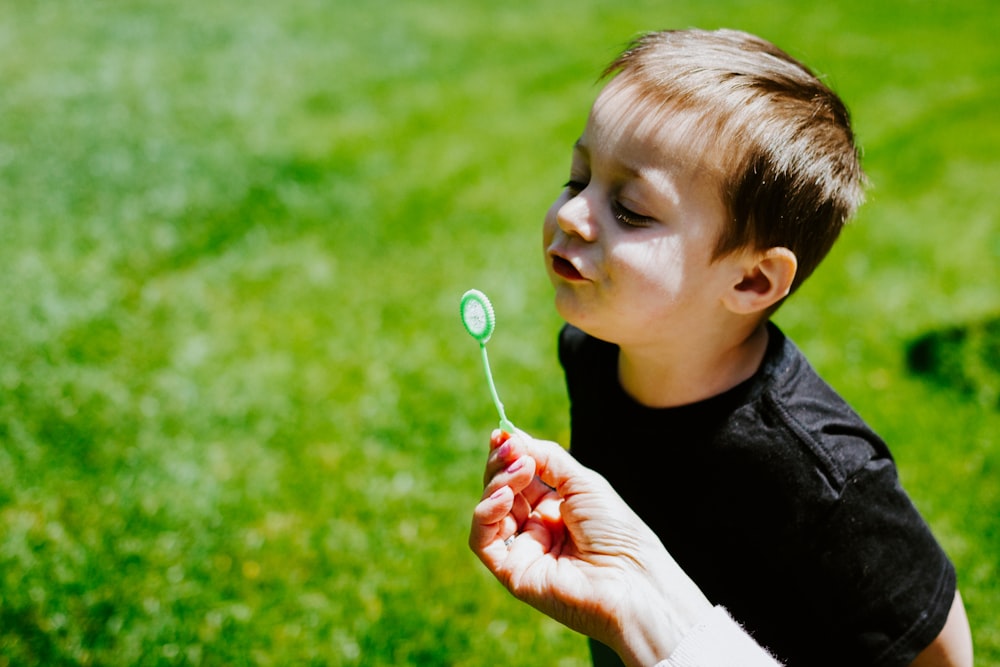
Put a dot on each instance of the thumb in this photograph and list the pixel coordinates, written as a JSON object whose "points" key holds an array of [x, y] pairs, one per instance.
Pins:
{"points": [[557, 468]]}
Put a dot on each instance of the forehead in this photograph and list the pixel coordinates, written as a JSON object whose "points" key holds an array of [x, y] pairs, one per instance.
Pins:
{"points": [[647, 134]]}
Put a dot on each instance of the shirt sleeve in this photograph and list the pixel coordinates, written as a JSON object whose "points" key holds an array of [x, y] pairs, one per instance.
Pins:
{"points": [[851, 565], [718, 641], [891, 570]]}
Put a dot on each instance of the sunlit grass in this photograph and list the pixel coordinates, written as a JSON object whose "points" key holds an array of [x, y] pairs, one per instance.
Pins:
{"points": [[240, 421]]}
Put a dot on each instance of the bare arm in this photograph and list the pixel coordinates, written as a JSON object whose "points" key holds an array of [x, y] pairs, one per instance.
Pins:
{"points": [[953, 646]]}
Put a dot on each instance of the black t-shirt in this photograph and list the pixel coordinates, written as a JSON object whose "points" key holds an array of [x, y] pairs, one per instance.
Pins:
{"points": [[779, 502]]}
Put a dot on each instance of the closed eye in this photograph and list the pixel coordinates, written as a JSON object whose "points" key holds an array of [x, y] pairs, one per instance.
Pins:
{"points": [[628, 217], [574, 187]]}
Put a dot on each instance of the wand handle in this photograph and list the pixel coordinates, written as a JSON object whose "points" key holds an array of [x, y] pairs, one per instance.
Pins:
{"points": [[505, 423]]}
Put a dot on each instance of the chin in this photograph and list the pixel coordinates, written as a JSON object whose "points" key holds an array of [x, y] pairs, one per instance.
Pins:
{"points": [[572, 312], [567, 304]]}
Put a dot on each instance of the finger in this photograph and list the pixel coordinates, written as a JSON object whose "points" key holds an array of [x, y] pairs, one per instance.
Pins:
{"points": [[517, 475], [519, 514], [488, 519], [547, 509], [504, 510], [558, 469], [498, 437], [516, 445], [537, 489], [494, 507], [508, 448], [501, 456], [534, 541], [511, 522]]}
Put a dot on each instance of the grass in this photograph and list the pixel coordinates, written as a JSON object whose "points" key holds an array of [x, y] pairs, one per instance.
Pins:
{"points": [[240, 422]]}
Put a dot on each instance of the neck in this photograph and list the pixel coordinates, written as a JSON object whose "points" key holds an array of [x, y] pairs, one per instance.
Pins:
{"points": [[663, 377]]}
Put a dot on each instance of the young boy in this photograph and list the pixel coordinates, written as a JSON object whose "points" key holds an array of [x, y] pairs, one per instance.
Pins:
{"points": [[713, 175]]}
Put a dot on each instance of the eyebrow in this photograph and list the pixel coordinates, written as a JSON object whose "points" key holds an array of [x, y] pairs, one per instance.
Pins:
{"points": [[628, 169]]}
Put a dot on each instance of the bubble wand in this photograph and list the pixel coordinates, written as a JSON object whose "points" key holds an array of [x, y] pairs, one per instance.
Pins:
{"points": [[479, 321]]}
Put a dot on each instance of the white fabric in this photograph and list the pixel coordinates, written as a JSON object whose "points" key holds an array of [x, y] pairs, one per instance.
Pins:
{"points": [[718, 641]]}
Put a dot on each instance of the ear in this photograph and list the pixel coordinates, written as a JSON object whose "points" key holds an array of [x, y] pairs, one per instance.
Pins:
{"points": [[767, 278]]}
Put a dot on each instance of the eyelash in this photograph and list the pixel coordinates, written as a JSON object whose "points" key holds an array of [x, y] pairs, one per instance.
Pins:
{"points": [[622, 214], [629, 218]]}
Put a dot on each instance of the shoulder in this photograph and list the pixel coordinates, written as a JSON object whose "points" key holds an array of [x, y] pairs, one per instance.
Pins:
{"points": [[797, 408], [807, 454]]}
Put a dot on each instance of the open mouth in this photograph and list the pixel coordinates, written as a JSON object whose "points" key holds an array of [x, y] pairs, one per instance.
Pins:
{"points": [[564, 269]]}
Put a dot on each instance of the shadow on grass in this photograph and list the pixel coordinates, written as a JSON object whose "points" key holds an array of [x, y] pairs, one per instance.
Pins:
{"points": [[964, 357]]}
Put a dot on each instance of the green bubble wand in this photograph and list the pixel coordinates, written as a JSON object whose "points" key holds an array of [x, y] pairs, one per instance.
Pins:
{"points": [[479, 321]]}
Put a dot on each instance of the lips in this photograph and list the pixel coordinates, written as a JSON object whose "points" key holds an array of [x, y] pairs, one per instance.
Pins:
{"points": [[563, 268]]}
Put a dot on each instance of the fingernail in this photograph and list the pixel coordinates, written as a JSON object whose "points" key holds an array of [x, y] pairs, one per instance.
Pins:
{"points": [[496, 494], [498, 437], [516, 465], [503, 450]]}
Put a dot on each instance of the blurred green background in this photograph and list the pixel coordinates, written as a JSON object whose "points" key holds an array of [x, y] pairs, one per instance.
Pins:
{"points": [[240, 421]]}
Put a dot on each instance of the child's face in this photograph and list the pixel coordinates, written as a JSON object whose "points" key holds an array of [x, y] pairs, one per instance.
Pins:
{"points": [[629, 244]]}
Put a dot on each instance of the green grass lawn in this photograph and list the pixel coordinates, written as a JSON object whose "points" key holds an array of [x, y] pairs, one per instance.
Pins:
{"points": [[240, 421]]}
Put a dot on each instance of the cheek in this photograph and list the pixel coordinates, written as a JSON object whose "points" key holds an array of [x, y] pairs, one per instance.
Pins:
{"points": [[655, 267], [550, 224]]}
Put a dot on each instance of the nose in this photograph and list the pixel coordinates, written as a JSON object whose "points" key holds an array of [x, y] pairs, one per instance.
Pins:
{"points": [[575, 217]]}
